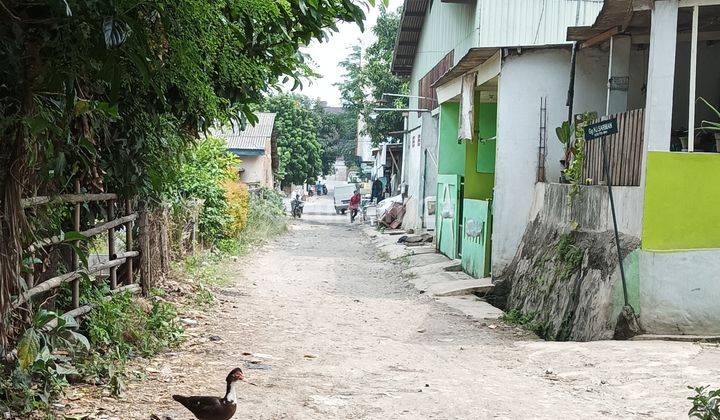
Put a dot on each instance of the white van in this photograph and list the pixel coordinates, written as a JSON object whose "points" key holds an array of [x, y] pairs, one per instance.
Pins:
{"points": [[342, 196]]}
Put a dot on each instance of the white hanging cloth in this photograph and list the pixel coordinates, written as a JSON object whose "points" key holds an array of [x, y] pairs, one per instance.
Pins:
{"points": [[467, 107]]}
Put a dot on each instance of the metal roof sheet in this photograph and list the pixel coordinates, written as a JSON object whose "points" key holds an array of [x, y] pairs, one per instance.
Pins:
{"points": [[411, 23], [473, 58], [253, 137], [614, 14]]}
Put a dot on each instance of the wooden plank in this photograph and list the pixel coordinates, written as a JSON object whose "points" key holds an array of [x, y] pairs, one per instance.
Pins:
{"points": [[67, 277], [111, 244], [129, 239], [66, 198], [88, 233], [75, 256]]}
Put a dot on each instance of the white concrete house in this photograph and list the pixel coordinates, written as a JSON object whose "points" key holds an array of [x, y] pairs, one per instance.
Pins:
{"points": [[439, 43]]}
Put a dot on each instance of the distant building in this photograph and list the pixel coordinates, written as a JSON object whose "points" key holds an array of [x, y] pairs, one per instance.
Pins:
{"points": [[254, 146]]}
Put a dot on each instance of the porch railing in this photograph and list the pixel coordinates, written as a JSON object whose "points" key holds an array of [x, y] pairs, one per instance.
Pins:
{"points": [[624, 152]]}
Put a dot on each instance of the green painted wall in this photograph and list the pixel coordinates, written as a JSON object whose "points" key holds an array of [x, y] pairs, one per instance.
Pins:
{"points": [[631, 264], [451, 155], [486, 124], [682, 201], [479, 185], [447, 230], [476, 248]]}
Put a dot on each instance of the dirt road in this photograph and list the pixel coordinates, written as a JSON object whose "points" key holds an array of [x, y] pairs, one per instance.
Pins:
{"points": [[327, 330]]}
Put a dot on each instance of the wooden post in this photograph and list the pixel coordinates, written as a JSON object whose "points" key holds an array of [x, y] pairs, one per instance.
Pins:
{"points": [[129, 242], [143, 240], [111, 244], [75, 256]]}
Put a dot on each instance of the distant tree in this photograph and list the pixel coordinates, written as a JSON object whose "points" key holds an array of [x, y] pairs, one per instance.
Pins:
{"points": [[337, 133], [368, 76], [299, 151]]}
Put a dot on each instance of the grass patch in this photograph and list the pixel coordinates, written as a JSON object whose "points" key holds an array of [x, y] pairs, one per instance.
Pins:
{"points": [[526, 321]]}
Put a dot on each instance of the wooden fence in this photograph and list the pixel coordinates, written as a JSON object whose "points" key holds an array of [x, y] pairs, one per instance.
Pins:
{"points": [[625, 150], [122, 260]]}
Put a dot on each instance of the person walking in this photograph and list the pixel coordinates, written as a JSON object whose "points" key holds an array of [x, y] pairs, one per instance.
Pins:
{"points": [[354, 205], [377, 189]]}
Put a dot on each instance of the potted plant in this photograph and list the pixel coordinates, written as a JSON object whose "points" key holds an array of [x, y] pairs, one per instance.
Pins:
{"points": [[712, 126]]}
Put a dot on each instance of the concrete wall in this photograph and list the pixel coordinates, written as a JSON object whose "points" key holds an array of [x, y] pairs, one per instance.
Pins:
{"points": [[420, 169], [591, 209], [257, 170], [679, 292], [524, 79], [573, 299]]}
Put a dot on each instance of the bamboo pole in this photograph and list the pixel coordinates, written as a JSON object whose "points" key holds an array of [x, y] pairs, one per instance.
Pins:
{"points": [[66, 198], [67, 277], [111, 244], [129, 241], [133, 288], [87, 233], [75, 256]]}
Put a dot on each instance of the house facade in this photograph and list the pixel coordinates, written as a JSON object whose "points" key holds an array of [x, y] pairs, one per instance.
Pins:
{"points": [[253, 145], [441, 46], [504, 205], [662, 59]]}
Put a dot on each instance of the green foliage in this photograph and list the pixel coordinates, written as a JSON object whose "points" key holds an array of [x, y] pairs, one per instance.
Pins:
{"points": [[44, 361], [370, 73], [201, 175], [711, 125], [337, 135], [527, 321], [299, 150], [122, 327], [563, 132], [705, 403], [575, 145], [569, 255]]}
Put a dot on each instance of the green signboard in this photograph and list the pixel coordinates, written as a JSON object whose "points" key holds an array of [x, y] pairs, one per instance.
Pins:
{"points": [[601, 129]]}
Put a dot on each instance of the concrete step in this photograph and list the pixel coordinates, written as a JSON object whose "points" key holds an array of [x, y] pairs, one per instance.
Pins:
{"points": [[682, 338], [461, 287], [472, 306], [418, 260], [437, 267]]}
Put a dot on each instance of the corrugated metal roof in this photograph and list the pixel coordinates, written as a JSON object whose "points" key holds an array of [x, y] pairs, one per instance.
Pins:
{"points": [[473, 58], [253, 137], [614, 13], [406, 43]]}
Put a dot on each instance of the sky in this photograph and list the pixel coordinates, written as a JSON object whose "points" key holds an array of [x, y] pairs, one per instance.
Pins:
{"points": [[327, 56]]}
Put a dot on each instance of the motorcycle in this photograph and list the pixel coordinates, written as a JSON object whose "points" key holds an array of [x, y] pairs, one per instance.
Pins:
{"points": [[296, 208]]}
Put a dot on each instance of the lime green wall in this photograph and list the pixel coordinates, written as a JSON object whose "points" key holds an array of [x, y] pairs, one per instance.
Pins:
{"points": [[451, 155], [480, 185], [682, 201]]}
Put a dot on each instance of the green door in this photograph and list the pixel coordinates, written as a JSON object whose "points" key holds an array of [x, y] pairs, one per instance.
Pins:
{"points": [[476, 234], [447, 213]]}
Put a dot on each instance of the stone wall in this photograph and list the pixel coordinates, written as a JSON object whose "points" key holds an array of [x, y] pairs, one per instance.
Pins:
{"points": [[565, 274]]}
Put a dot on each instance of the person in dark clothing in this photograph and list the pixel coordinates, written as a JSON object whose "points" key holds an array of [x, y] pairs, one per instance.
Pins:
{"points": [[376, 192]]}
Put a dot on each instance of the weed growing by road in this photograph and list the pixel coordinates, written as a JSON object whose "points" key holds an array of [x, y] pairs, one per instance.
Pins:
{"points": [[525, 320], [55, 351], [706, 403]]}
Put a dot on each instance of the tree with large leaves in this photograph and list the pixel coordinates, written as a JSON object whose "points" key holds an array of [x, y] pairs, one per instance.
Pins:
{"points": [[368, 76], [109, 92]]}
